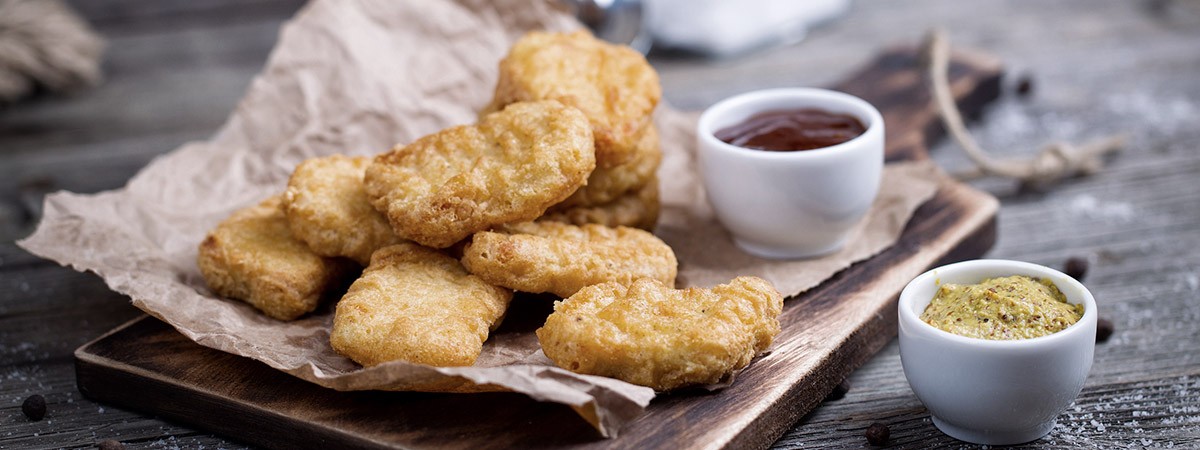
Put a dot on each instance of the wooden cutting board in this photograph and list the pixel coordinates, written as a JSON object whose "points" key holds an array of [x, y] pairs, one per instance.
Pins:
{"points": [[827, 332]]}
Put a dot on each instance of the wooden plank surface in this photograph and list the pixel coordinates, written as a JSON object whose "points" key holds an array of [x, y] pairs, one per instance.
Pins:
{"points": [[827, 333], [1097, 66]]}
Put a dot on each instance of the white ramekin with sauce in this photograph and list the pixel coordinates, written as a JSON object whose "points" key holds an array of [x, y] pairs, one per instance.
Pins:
{"points": [[994, 392], [790, 204]]}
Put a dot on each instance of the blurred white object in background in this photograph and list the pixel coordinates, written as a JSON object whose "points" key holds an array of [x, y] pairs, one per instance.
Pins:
{"points": [[727, 27]]}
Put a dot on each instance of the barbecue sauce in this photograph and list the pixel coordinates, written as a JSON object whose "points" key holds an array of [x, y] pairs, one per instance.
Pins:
{"points": [[792, 130]]}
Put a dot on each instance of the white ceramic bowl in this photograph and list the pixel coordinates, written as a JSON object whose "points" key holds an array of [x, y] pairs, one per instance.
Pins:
{"points": [[988, 391], [790, 204]]}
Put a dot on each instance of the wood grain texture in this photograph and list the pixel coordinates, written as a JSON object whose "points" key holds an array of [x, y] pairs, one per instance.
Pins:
{"points": [[1097, 66], [1137, 222], [894, 83]]}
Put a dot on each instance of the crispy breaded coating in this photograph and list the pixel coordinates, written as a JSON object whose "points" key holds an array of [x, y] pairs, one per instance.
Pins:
{"points": [[562, 259], [636, 209], [652, 335], [613, 85], [251, 256], [509, 167], [608, 184], [418, 305], [327, 208]]}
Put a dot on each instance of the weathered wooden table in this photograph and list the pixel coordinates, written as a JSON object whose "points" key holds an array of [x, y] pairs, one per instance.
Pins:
{"points": [[175, 69]]}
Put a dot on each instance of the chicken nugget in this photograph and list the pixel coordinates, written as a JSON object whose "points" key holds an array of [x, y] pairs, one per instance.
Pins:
{"points": [[252, 256], [652, 335], [418, 305], [509, 167], [636, 209], [613, 85], [327, 208], [608, 184], [562, 259]]}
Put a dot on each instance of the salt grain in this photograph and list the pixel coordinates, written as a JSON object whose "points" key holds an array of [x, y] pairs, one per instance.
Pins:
{"points": [[1168, 115], [1088, 206]]}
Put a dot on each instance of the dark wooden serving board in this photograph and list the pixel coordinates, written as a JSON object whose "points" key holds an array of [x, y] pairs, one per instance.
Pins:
{"points": [[827, 333]]}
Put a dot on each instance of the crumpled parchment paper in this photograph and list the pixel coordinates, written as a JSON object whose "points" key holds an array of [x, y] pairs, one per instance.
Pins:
{"points": [[357, 77]]}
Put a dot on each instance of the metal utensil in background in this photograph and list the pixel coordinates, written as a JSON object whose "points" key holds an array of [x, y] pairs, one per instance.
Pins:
{"points": [[617, 21]]}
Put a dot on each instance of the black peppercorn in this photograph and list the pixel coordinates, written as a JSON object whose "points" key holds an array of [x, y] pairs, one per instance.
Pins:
{"points": [[1104, 329], [1076, 267], [1024, 86], [839, 391], [877, 434], [109, 444], [34, 407]]}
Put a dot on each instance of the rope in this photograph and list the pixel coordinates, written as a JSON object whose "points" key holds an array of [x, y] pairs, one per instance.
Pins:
{"points": [[44, 43], [1056, 161]]}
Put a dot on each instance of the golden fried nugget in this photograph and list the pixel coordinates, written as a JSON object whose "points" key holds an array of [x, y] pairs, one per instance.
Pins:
{"points": [[252, 256], [509, 167], [613, 85], [327, 208], [418, 305], [650, 334], [562, 259], [637, 209], [608, 184]]}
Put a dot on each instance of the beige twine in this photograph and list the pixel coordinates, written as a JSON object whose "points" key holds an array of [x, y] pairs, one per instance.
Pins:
{"points": [[44, 43], [1056, 161]]}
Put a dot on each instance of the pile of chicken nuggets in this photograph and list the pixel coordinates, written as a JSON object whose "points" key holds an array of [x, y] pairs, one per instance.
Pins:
{"points": [[553, 190]]}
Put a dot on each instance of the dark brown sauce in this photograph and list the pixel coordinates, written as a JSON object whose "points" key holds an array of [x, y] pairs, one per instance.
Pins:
{"points": [[792, 130]]}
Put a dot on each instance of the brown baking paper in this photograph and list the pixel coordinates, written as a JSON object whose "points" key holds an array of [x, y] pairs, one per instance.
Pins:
{"points": [[356, 77]]}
